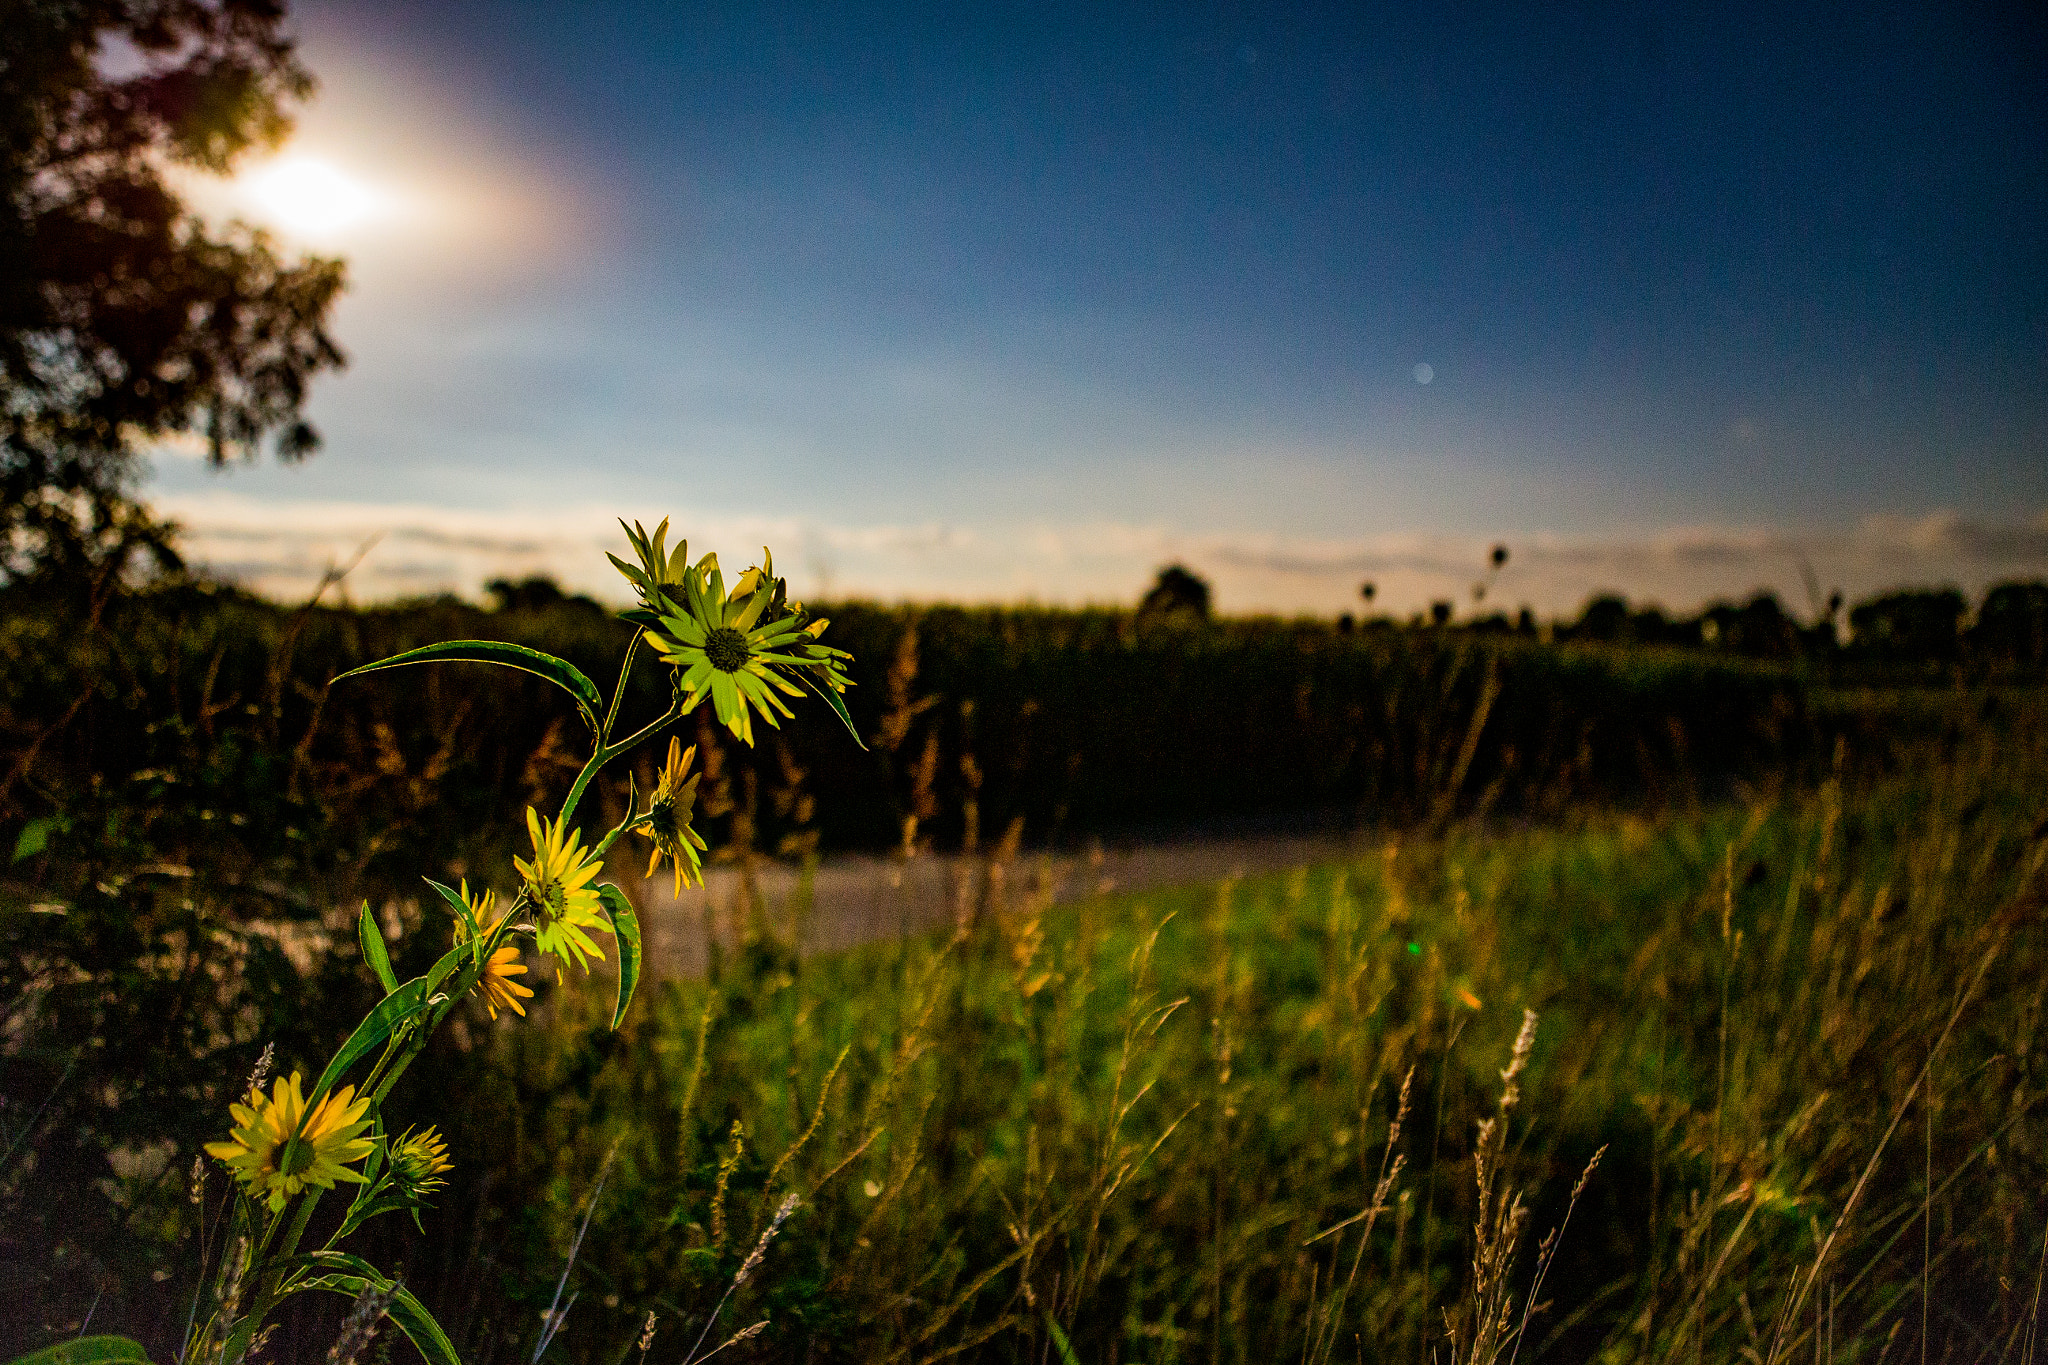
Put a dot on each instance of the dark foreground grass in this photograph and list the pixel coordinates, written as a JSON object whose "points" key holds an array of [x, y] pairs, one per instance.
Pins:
{"points": [[1805, 1033]]}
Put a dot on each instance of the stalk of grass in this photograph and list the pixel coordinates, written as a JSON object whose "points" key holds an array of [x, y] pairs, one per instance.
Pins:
{"points": [[1547, 1253], [557, 1314], [1802, 1285], [789, 1205], [1391, 1165], [1429, 1198], [2034, 1313], [1142, 1022], [685, 1130]]}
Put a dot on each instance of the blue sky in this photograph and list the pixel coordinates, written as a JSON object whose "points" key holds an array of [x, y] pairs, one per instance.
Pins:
{"points": [[958, 301]]}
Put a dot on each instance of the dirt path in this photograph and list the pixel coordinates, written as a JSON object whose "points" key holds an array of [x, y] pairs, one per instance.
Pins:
{"points": [[858, 898]]}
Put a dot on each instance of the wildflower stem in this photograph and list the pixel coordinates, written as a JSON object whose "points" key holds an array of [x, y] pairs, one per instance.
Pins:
{"points": [[619, 689], [605, 753], [632, 822], [299, 1221]]}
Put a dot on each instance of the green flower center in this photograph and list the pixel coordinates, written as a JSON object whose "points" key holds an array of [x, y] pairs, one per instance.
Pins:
{"points": [[663, 822], [552, 897], [727, 649]]}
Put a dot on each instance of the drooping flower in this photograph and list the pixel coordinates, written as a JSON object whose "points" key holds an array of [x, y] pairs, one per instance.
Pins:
{"points": [[737, 648], [495, 984], [418, 1161], [277, 1148], [668, 818], [558, 885]]}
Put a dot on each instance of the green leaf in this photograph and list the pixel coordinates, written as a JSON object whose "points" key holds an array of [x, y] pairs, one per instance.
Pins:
{"points": [[86, 1351], [833, 700], [459, 906], [641, 616], [411, 1316], [374, 953], [381, 1022], [560, 672], [376, 1180], [378, 1025], [362, 1213], [35, 837], [626, 930]]}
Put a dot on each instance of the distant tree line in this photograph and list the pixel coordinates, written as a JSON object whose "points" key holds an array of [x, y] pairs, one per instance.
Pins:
{"points": [[1911, 626], [1918, 627]]}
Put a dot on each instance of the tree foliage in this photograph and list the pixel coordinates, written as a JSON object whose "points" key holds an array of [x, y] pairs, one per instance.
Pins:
{"points": [[1177, 591], [123, 318]]}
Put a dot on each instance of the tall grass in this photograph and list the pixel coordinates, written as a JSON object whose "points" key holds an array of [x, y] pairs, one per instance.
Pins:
{"points": [[1269, 1120], [1159, 1128]]}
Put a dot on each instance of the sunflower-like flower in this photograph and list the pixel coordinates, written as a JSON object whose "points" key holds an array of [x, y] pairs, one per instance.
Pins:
{"points": [[277, 1148], [659, 569], [668, 818], [558, 883], [735, 647], [495, 985], [418, 1161]]}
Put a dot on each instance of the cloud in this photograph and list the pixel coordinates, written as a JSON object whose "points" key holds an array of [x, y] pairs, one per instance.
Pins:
{"points": [[282, 548]]}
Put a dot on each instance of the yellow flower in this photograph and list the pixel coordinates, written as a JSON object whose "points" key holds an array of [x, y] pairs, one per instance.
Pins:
{"points": [[734, 647], [659, 568], [496, 984], [277, 1148], [558, 884], [418, 1160], [668, 818]]}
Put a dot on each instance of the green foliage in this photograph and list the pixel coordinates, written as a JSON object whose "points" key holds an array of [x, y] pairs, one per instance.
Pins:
{"points": [[1095, 722], [2012, 626], [1082, 723], [375, 955], [1911, 626], [1735, 1003], [1139, 1130], [284, 1152], [354, 1276], [1177, 590], [626, 934], [562, 674]]}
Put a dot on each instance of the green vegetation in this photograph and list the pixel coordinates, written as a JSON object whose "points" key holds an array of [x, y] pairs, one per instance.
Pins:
{"points": [[1779, 1020], [290, 1145], [1782, 938], [1713, 944], [1080, 722]]}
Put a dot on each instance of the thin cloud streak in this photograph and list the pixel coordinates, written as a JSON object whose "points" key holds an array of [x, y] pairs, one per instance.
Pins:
{"points": [[282, 548]]}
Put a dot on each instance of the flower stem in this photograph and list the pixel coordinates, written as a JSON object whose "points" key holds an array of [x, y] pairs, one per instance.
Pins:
{"points": [[605, 753], [619, 690], [630, 823]]}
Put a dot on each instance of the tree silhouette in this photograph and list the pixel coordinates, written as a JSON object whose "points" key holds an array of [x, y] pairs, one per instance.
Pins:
{"points": [[1177, 591], [2012, 625], [1914, 625], [122, 320]]}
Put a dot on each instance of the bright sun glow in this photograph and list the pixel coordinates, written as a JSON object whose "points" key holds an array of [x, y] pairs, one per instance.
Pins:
{"points": [[312, 198]]}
